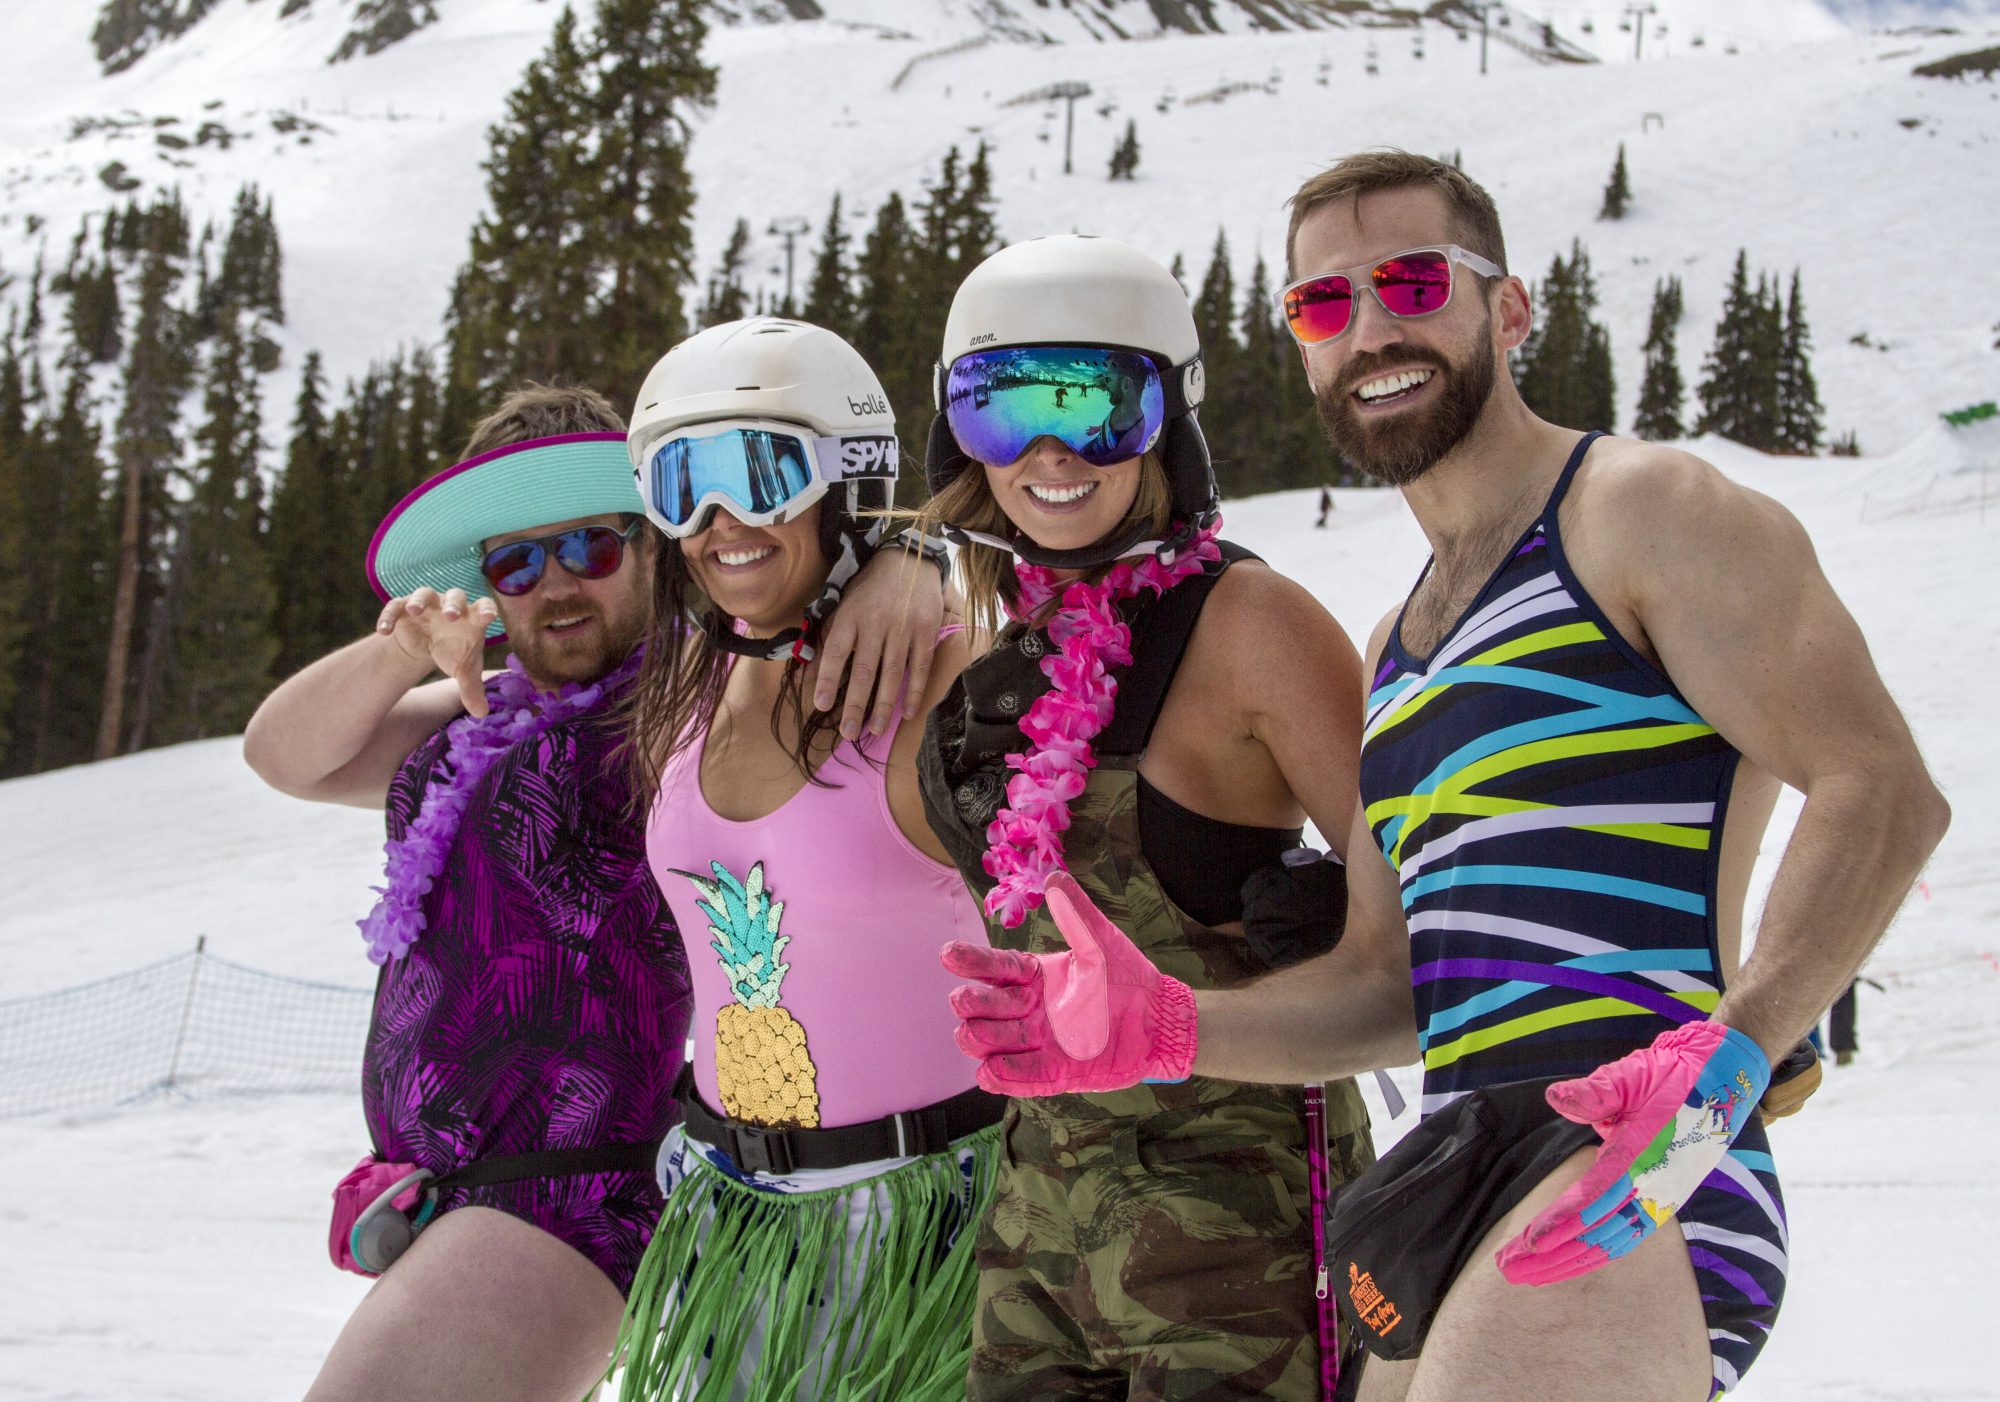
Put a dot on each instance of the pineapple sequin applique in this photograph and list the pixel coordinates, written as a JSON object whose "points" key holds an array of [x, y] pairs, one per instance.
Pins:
{"points": [[762, 1066]]}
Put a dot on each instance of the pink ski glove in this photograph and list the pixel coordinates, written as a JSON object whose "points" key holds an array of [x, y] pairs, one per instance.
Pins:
{"points": [[1668, 1113], [1097, 1017]]}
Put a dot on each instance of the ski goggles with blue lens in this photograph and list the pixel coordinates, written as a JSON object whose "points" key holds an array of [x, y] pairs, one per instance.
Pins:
{"points": [[760, 473], [1103, 405]]}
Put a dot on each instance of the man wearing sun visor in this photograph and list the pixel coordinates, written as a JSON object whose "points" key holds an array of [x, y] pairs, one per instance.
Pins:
{"points": [[533, 994]]}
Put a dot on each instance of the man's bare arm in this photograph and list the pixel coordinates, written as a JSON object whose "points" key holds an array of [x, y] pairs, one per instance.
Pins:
{"points": [[1732, 600], [1350, 1009], [337, 731], [1346, 1012]]}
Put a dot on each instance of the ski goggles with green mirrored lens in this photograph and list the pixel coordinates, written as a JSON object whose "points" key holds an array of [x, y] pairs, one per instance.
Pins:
{"points": [[760, 473], [1103, 405]]}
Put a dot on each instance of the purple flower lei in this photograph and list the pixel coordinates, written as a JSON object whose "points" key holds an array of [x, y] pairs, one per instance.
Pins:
{"points": [[1024, 840], [516, 711]]}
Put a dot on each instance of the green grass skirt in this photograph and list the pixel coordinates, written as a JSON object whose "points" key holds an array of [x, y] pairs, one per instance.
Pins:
{"points": [[885, 1314]]}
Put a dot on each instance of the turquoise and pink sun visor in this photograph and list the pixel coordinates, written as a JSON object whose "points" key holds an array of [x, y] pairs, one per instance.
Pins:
{"points": [[432, 536]]}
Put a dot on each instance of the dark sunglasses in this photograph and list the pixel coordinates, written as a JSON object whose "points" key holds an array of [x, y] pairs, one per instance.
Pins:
{"points": [[588, 552], [1415, 282]]}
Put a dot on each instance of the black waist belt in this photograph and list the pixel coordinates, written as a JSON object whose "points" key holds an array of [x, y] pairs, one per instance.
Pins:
{"points": [[550, 1163], [906, 1134]]}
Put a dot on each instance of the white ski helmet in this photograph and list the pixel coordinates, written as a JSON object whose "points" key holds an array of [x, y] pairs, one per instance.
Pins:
{"points": [[1080, 290], [788, 375]]}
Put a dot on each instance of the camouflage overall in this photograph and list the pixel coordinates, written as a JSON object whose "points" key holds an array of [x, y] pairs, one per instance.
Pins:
{"points": [[1152, 1243]]}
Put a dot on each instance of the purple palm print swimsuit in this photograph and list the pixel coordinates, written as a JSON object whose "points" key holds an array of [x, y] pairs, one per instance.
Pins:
{"points": [[546, 1004]]}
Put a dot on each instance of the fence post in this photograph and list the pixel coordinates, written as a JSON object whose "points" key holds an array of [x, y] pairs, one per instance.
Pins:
{"points": [[187, 1009]]}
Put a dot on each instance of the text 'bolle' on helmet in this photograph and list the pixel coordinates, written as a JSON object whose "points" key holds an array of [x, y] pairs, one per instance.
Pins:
{"points": [[1080, 290], [788, 377]]}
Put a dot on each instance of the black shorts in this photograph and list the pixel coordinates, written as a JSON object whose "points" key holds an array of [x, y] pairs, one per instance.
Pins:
{"points": [[1398, 1236]]}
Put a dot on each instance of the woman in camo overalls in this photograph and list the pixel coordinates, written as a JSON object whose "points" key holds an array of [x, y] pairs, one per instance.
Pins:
{"points": [[1158, 718]]}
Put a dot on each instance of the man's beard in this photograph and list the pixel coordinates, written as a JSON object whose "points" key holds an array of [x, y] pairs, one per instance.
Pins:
{"points": [[593, 654], [1399, 450]]}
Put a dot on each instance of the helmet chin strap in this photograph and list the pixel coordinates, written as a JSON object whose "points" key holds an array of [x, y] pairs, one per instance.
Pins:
{"points": [[785, 645], [854, 541], [1133, 542]]}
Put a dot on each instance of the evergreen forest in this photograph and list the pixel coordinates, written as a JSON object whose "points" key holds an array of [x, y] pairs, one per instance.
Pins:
{"points": [[171, 545]]}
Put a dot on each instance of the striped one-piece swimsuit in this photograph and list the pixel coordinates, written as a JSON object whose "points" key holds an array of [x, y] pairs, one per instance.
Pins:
{"points": [[1553, 809]]}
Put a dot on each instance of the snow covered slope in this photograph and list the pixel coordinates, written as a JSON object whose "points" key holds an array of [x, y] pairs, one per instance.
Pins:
{"points": [[181, 1253], [1789, 131]]}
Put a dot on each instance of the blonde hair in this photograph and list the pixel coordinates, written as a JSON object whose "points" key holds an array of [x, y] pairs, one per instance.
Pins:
{"points": [[986, 574]]}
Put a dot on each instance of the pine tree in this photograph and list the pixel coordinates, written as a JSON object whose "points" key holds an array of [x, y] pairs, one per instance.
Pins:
{"points": [[577, 272], [881, 277], [975, 233], [727, 301], [830, 293], [1661, 391], [312, 528], [1125, 155], [158, 368], [1768, 353], [219, 615], [1215, 324], [14, 597], [251, 272], [62, 654], [1272, 455], [1728, 375], [31, 325], [520, 305], [1617, 190], [1801, 423], [93, 318], [650, 82], [1563, 370], [953, 232]]}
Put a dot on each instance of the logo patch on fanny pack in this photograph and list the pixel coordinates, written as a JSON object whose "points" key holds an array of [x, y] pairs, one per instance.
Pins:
{"points": [[1371, 1306]]}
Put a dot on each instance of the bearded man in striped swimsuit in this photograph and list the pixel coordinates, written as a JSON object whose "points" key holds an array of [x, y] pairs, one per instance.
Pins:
{"points": [[1577, 727]]}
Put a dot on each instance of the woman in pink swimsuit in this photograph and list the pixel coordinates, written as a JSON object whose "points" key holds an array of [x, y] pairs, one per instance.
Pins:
{"points": [[816, 1240]]}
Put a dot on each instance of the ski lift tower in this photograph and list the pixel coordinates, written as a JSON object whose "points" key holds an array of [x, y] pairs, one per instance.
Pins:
{"points": [[1478, 9], [790, 230], [1636, 16], [1069, 92]]}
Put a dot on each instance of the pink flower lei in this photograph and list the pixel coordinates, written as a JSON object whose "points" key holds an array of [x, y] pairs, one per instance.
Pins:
{"points": [[516, 710], [1025, 837]]}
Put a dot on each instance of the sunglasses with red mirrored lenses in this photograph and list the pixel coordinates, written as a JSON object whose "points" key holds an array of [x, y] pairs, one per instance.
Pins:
{"points": [[1413, 283], [588, 552]]}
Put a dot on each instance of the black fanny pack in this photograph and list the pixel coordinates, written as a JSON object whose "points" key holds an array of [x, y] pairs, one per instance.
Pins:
{"points": [[762, 1149], [1399, 1235]]}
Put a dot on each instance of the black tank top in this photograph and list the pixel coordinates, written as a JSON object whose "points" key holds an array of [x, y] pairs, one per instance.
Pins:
{"points": [[1200, 862]]}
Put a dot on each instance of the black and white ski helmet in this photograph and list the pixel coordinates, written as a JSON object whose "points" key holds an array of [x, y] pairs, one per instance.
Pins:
{"points": [[789, 374], [1080, 290]]}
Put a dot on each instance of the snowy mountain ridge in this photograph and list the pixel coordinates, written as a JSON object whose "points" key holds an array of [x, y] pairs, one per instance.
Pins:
{"points": [[1784, 128], [126, 31]]}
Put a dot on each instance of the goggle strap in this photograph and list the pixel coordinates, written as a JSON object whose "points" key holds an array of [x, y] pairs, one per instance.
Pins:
{"points": [[1184, 386], [962, 536], [858, 457]]}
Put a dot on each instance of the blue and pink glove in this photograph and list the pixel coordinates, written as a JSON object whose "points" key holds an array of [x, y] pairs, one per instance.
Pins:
{"points": [[1668, 1113], [1096, 1017]]}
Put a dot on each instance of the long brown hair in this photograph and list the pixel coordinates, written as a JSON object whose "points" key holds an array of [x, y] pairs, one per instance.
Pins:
{"points": [[680, 683], [986, 574]]}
